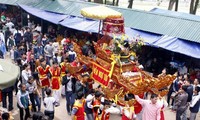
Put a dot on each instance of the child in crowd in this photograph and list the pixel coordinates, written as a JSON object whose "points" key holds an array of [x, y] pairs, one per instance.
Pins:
{"points": [[31, 88], [10, 42], [23, 102], [49, 103], [12, 53]]}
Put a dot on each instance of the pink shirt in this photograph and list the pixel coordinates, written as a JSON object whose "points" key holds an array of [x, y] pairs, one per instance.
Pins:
{"points": [[28, 54], [150, 111]]}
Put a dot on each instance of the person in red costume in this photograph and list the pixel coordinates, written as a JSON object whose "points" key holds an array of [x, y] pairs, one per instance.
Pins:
{"points": [[138, 108], [55, 72], [78, 108], [63, 66], [75, 63], [128, 110], [105, 115], [43, 70], [163, 103]]}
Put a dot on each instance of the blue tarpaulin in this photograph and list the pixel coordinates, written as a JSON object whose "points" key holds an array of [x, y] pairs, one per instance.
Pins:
{"points": [[178, 45], [148, 38], [169, 43], [81, 24], [48, 16]]}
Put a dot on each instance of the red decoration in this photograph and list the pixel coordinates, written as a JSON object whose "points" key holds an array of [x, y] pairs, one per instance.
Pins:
{"points": [[100, 74], [138, 106], [113, 26]]}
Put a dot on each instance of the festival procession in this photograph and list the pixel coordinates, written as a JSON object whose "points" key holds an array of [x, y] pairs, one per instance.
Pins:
{"points": [[77, 60]]}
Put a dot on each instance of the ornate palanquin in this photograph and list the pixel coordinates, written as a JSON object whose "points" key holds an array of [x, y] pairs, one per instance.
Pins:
{"points": [[138, 84], [124, 76]]}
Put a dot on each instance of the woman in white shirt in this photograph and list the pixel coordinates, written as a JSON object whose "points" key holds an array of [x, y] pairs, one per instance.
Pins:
{"points": [[26, 73]]}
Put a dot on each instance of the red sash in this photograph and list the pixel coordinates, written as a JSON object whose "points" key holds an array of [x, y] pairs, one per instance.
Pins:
{"points": [[55, 77], [43, 75], [162, 117]]}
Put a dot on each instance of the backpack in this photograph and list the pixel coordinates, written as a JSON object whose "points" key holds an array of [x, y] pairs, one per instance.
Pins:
{"points": [[18, 37]]}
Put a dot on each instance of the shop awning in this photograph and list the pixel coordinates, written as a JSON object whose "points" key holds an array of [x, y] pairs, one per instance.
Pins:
{"points": [[8, 2], [178, 45], [174, 44], [48, 16], [169, 43], [81, 24]]}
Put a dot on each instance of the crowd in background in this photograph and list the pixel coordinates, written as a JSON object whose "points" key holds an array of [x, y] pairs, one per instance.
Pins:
{"points": [[44, 79]]}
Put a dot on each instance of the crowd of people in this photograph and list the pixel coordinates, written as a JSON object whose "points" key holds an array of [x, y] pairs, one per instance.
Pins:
{"points": [[45, 79], [185, 94]]}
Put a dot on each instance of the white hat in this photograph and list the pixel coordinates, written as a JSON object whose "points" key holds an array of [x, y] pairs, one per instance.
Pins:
{"points": [[141, 66]]}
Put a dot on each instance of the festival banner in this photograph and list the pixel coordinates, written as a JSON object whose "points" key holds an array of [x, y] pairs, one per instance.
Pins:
{"points": [[100, 74]]}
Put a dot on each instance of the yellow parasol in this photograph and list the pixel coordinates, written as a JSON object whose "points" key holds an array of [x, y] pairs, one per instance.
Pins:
{"points": [[100, 12]]}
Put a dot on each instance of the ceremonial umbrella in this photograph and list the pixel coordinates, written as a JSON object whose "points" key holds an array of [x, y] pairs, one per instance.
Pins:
{"points": [[100, 13], [9, 72]]}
